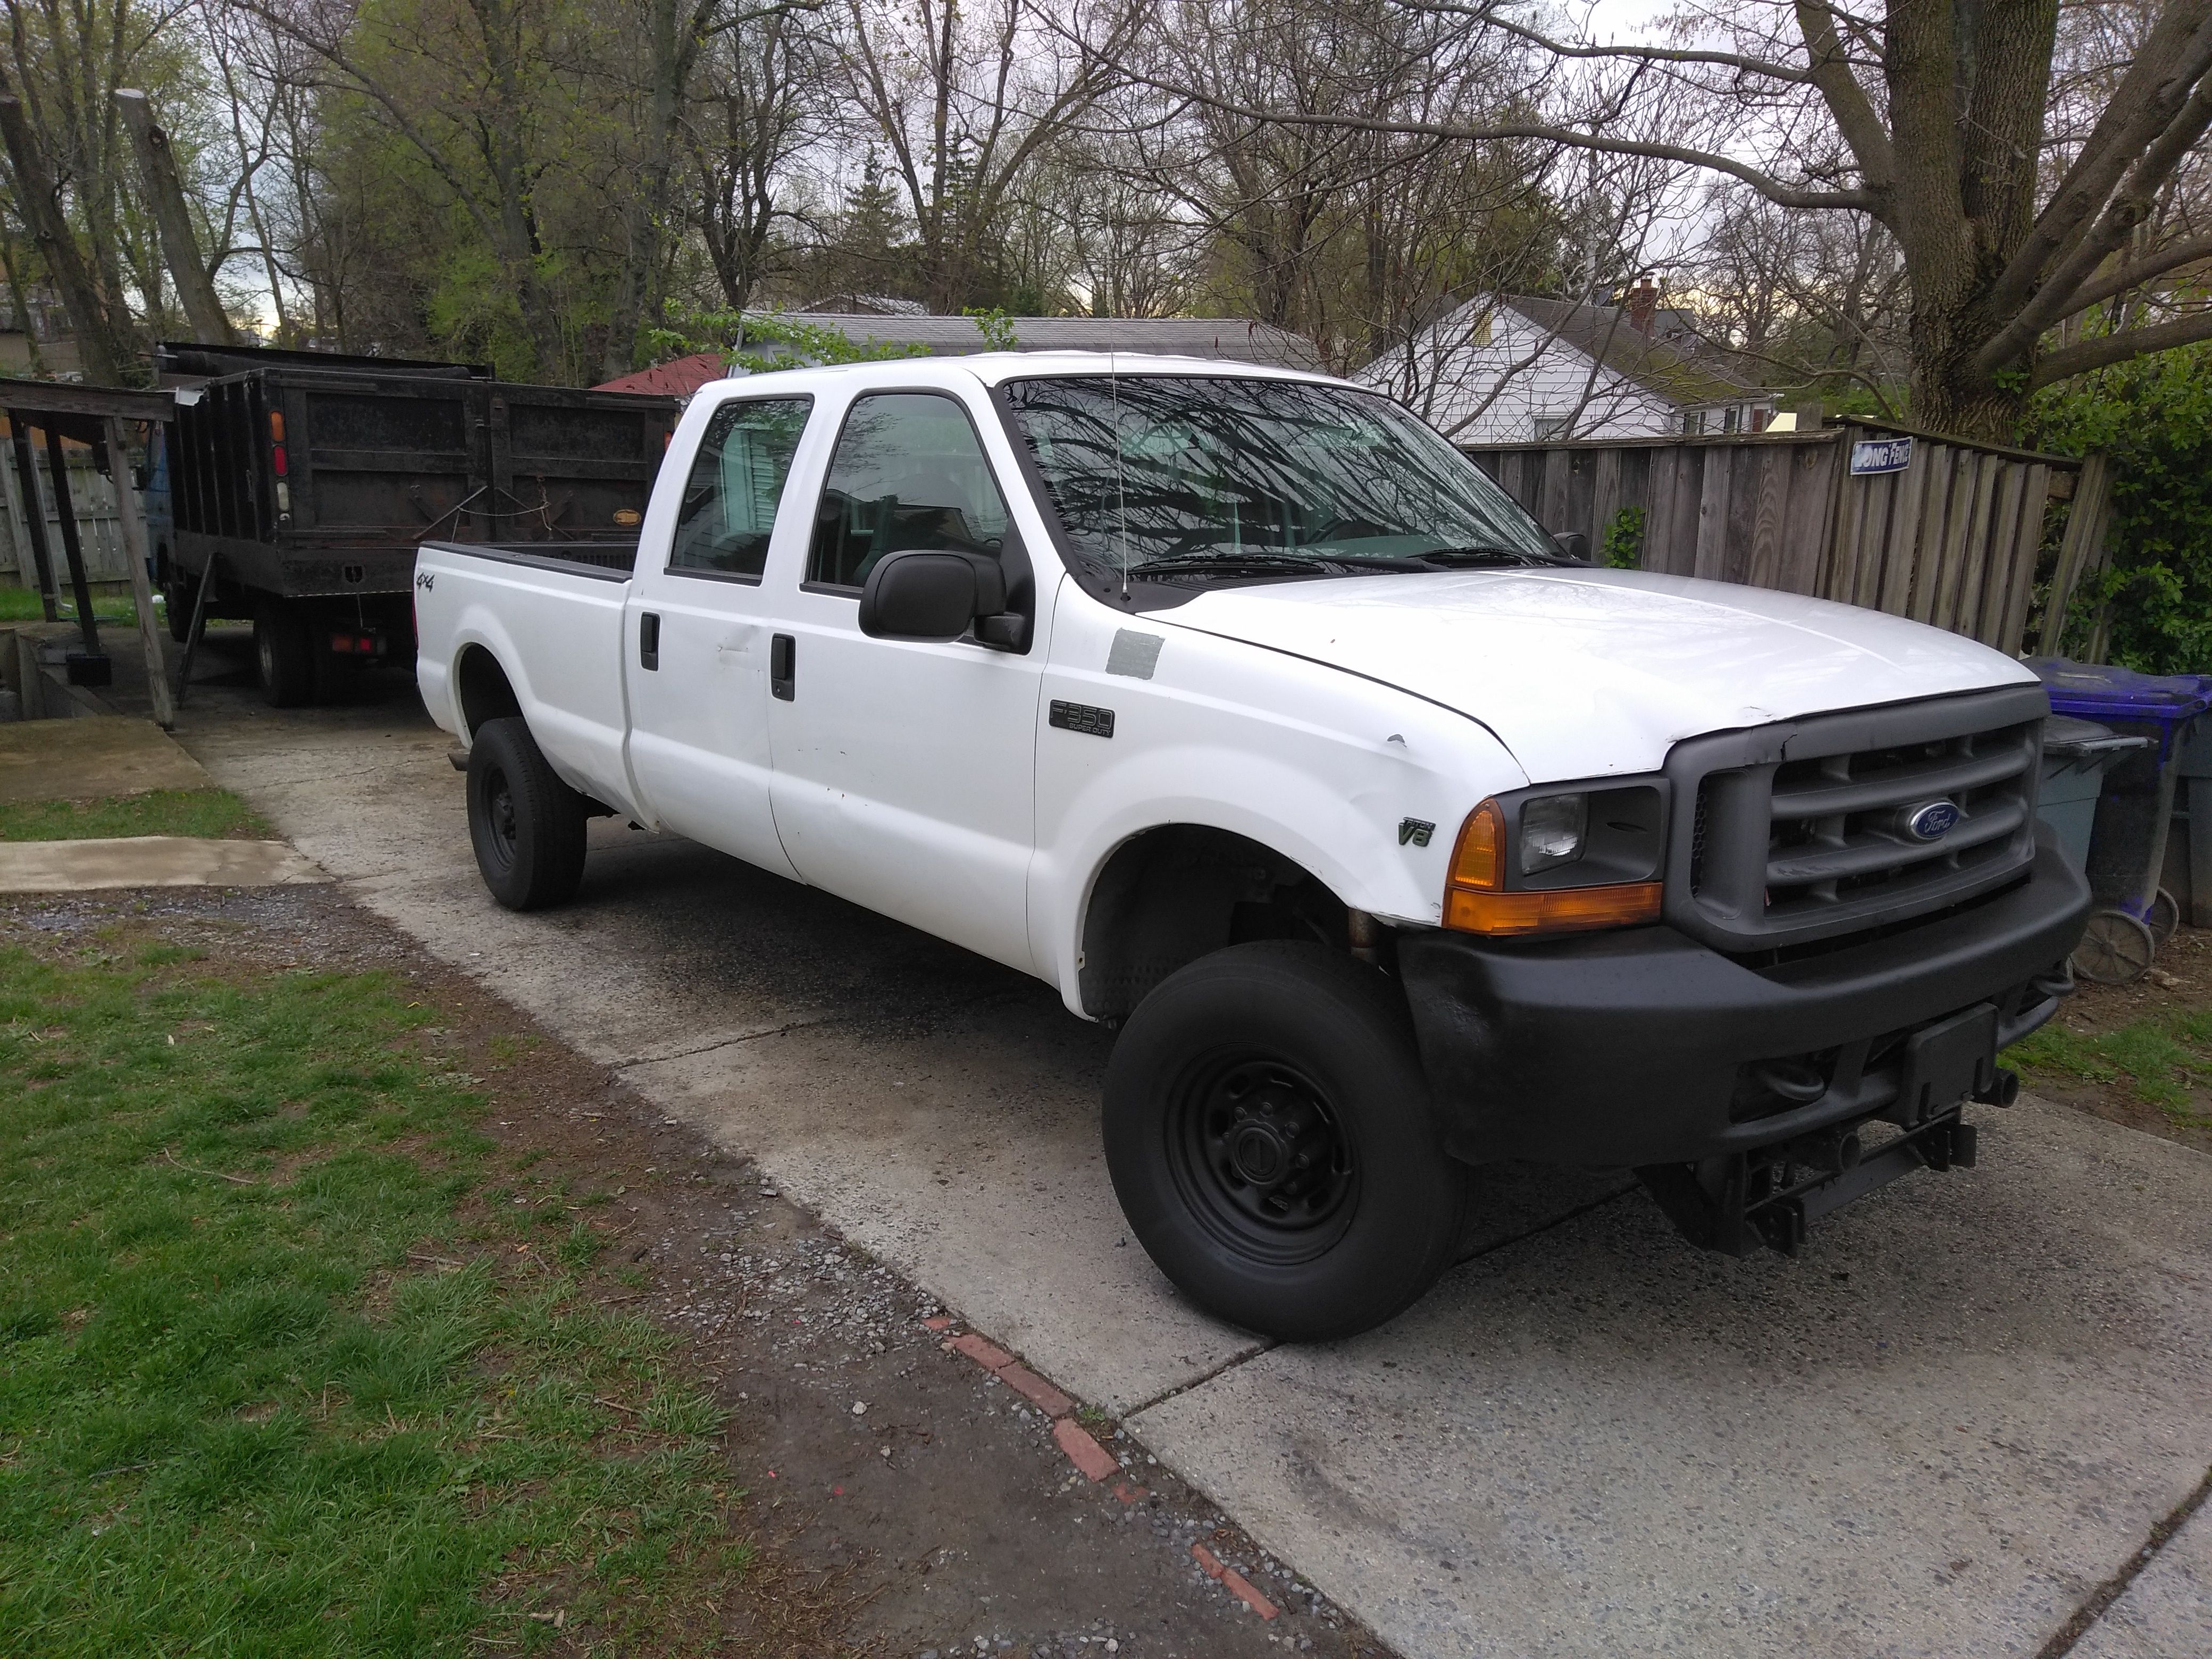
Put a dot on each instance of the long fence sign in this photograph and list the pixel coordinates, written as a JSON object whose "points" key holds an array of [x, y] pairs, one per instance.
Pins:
{"points": [[1916, 525]]}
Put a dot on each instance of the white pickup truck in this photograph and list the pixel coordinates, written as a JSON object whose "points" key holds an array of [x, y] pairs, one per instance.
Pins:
{"points": [[1394, 838]]}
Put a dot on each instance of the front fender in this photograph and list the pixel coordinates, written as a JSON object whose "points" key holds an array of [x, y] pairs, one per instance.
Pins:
{"points": [[1361, 784]]}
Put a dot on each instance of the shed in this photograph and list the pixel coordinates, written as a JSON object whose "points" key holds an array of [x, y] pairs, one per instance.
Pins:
{"points": [[93, 415]]}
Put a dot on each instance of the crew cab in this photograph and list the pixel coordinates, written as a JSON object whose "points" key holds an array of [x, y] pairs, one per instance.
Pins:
{"points": [[1394, 838]]}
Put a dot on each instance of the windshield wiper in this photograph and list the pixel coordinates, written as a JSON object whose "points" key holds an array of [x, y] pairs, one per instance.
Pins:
{"points": [[1470, 558], [1225, 564]]}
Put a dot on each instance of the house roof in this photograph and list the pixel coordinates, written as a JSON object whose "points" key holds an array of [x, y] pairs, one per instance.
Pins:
{"points": [[679, 379], [1673, 360], [1230, 338]]}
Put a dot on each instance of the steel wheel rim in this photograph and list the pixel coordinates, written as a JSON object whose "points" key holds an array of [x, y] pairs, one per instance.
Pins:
{"points": [[502, 834], [1260, 1157]]}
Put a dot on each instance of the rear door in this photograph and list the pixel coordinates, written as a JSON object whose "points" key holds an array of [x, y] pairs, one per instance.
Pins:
{"points": [[905, 772], [698, 637]]}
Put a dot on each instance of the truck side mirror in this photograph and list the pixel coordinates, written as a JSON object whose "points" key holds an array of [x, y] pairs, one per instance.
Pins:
{"points": [[919, 594], [1574, 545]]}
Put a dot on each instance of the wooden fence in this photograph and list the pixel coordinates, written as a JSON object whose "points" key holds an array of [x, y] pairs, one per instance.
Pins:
{"points": [[91, 495], [1951, 537]]}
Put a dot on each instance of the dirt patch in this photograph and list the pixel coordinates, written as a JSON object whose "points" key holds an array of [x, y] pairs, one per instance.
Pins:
{"points": [[895, 1496]]}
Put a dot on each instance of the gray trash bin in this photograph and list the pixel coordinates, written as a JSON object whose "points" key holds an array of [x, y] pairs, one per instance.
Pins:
{"points": [[2076, 753]]}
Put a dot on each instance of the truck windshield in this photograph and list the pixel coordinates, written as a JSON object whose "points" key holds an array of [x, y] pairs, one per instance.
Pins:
{"points": [[1188, 476]]}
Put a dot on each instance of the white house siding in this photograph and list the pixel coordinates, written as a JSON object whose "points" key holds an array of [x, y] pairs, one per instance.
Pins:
{"points": [[1452, 374]]}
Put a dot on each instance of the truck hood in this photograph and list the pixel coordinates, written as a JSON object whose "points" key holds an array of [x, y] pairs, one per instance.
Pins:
{"points": [[1586, 673]]}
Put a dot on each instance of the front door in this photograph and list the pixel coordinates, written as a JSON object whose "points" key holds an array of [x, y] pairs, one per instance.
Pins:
{"points": [[904, 771], [698, 637]]}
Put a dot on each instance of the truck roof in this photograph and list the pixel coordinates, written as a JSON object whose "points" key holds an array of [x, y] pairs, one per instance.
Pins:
{"points": [[993, 367]]}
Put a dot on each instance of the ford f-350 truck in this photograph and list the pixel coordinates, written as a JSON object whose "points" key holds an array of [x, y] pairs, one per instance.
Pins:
{"points": [[1395, 839]]}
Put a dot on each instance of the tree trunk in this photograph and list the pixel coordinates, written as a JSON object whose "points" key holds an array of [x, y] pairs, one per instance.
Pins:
{"points": [[173, 219], [518, 246], [104, 343], [1948, 394], [672, 36]]}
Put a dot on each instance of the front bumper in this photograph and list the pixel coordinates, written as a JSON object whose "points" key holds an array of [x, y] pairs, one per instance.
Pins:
{"points": [[1644, 1046]]}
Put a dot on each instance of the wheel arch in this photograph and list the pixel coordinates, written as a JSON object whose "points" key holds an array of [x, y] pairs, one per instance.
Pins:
{"points": [[482, 689], [1174, 892]]}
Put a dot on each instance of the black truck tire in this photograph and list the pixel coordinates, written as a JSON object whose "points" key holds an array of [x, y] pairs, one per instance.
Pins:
{"points": [[284, 654], [177, 600], [527, 826], [1269, 1134]]}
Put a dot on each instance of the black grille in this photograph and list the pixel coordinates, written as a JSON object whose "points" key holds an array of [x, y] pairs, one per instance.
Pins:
{"points": [[1800, 831]]}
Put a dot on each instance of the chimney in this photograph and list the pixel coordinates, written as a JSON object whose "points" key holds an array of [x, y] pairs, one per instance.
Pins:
{"points": [[1643, 303]]}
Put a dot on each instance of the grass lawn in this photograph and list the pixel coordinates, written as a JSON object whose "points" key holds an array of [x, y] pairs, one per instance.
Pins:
{"points": [[24, 604], [286, 1369], [2139, 1053], [210, 813], [2161, 1059]]}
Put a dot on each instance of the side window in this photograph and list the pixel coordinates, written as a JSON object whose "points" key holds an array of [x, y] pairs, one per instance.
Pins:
{"points": [[737, 478], [909, 472]]}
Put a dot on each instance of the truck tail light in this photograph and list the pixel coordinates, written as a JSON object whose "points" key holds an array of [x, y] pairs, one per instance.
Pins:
{"points": [[1476, 901], [277, 459]]}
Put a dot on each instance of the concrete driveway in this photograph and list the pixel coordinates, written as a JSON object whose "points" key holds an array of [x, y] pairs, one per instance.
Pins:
{"points": [[1950, 1426]]}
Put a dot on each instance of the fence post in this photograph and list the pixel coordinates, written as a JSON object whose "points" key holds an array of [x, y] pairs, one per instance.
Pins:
{"points": [[137, 552], [2082, 551]]}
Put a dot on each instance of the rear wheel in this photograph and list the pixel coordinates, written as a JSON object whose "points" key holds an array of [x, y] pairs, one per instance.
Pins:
{"points": [[527, 826], [283, 654], [177, 600], [1269, 1134]]}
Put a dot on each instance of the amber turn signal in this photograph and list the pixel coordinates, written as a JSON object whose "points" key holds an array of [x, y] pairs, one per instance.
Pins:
{"points": [[1557, 910], [1475, 901]]}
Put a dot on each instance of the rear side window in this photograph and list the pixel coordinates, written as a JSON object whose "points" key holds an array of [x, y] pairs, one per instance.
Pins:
{"points": [[909, 472], [730, 500]]}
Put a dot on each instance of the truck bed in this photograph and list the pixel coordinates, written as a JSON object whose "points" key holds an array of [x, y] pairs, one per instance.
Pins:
{"points": [[552, 623], [605, 561]]}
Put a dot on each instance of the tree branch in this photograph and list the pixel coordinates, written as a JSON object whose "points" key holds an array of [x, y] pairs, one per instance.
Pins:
{"points": [[1484, 13], [1773, 190], [2120, 348], [2136, 273], [2150, 97], [1831, 73], [2130, 205]]}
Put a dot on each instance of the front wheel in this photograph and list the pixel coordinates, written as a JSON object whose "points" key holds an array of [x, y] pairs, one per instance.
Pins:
{"points": [[1267, 1132], [527, 826]]}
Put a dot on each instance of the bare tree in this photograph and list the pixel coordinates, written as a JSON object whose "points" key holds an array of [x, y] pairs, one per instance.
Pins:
{"points": [[1934, 120], [963, 105], [756, 106]]}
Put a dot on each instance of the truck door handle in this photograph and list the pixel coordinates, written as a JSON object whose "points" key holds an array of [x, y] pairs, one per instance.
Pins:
{"points": [[648, 640], [782, 664]]}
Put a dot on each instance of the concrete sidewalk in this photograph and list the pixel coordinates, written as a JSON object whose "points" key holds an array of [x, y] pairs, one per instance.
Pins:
{"points": [[1939, 1433], [87, 758], [79, 866]]}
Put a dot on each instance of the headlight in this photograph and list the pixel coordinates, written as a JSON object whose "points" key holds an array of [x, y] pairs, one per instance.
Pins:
{"points": [[1558, 861], [1552, 831]]}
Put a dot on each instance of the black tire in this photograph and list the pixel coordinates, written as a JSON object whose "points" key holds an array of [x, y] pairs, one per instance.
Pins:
{"points": [[177, 603], [284, 654], [1228, 1073], [526, 825]]}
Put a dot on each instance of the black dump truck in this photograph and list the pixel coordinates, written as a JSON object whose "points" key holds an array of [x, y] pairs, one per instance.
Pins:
{"points": [[298, 485]]}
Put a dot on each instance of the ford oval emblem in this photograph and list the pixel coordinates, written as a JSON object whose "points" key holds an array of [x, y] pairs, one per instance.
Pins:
{"points": [[1933, 821]]}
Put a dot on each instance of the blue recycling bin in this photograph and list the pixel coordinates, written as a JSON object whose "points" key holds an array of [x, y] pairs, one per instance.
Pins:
{"points": [[2127, 845]]}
